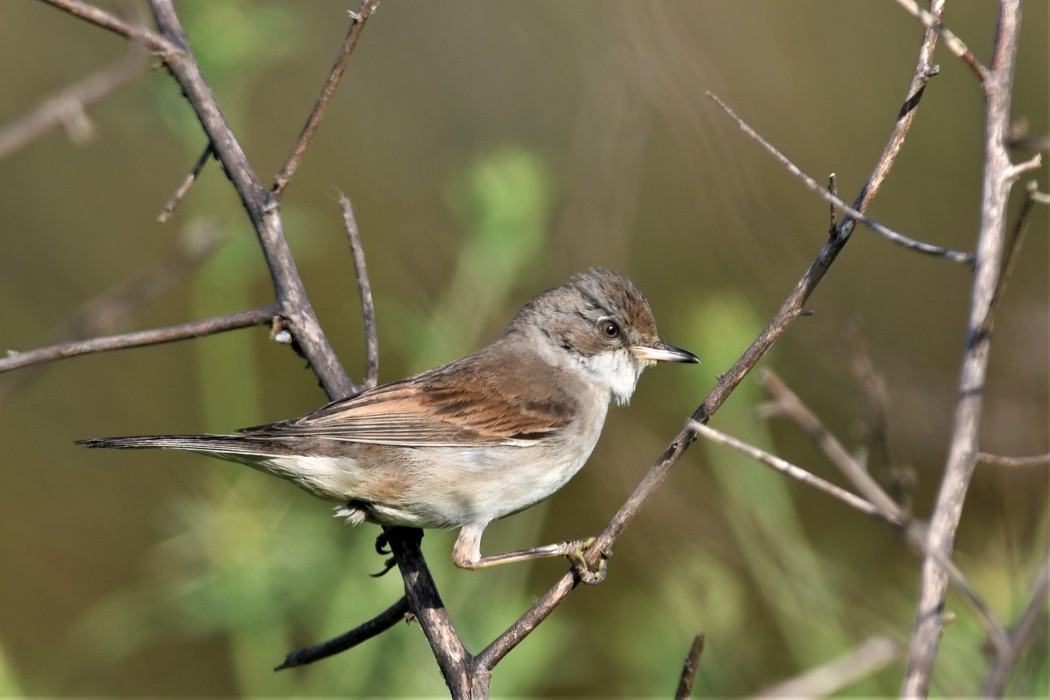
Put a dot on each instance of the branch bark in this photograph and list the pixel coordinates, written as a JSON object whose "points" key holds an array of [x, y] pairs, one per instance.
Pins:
{"points": [[962, 457]]}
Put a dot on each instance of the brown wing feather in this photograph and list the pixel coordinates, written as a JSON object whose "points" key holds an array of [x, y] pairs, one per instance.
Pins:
{"points": [[433, 408]]}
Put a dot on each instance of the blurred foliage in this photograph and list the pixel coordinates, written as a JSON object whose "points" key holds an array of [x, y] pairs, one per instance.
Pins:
{"points": [[491, 149]]}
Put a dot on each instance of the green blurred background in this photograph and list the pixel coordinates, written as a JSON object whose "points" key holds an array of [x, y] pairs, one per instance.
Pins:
{"points": [[491, 150]]}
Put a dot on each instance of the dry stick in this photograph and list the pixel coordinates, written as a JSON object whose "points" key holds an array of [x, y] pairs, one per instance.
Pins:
{"points": [[105, 312], [889, 510], [130, 30], [262, 208], [293, 304], [794, 471], [893, 236], [295, 158], [70, 102], [455, 662], [789, 310], [1016, 239], [362, 633], [1005, 660], [364, 288], [1004, 461], [999, 175], [176, 198], [952, 42], [690, 668], [193, 329]]}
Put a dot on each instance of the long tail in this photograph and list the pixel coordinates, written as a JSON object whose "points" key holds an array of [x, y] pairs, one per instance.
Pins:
{"points": [[271, 455], [233, 447]]}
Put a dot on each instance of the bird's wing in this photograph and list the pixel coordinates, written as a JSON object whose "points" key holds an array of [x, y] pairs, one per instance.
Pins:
{"points": [[419, 412]]}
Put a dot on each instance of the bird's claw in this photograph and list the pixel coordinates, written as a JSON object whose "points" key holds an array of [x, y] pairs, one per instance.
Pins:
{"points": [[589, 575]]}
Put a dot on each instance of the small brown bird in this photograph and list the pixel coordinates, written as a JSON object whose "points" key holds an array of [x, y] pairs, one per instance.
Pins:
{"points": [[472, 441]]}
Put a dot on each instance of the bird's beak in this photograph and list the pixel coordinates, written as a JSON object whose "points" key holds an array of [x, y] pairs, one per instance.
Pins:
{"points": [[662, 352]]}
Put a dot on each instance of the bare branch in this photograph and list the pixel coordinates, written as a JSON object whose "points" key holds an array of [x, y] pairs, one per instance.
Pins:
{"points": [[914, 532], [135, 32], [1004, 461], [951, 41], [262, 208], [362, 633], [893, 236], [962, 452], [452, 657], [690, 668], [364, 288], [792, 470], [176, 199], [1016, 239], [103, 314], [66, 107], [357, 25], [193, 329], [790, 404]]}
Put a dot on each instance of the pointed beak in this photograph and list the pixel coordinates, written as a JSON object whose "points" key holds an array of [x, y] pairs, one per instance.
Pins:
{"points": [[662, 352]]}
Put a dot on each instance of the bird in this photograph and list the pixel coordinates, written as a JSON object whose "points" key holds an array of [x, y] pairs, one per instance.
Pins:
{"points": [[474, 440]]}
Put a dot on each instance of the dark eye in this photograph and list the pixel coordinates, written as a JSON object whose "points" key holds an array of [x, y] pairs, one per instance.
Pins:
{"points": [[609, 328]]}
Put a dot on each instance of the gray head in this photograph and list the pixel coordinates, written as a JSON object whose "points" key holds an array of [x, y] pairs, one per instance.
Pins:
{"points": [[602, 325]]}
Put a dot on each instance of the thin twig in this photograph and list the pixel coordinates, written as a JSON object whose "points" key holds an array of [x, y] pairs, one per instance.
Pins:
{"points": [[357, 25], [156, 336], [176, 199], [790, 404], [106, 312], [67, 106], [914, 532], [362, 633], [792, 470], [813, 185], [1016, 239], [690, 668], [1004, 461], [261, 206], [106, 20], [952, 42], [364, 288], [963, 448]]}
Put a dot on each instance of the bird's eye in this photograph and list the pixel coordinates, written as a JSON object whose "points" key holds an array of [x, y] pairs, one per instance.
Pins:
{"points": [[609, 328]]}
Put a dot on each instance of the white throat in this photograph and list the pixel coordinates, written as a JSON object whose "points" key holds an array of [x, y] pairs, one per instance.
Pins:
{"points": [[616, 371]]}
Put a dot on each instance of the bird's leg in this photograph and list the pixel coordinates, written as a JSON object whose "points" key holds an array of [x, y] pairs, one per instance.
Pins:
{"points": [[466, 554]]}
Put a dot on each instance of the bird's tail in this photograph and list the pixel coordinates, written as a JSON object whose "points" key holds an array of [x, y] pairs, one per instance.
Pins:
{"points": [[232, 447]]}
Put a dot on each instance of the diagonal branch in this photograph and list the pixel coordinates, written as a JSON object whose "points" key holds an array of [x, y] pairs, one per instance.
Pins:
{"points": [[357, 25], [106, 20], [829, 196], [952, 42], [294, 305], [791, 309]]}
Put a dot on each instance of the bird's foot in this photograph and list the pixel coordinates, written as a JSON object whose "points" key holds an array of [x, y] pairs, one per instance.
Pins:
{"points": [[592, 575]]}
